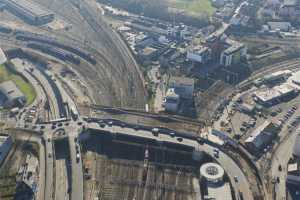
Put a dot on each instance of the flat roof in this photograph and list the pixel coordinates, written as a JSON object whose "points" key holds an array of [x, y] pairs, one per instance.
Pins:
{"points": [[3, 138], [199, 49], [30, 7], [267, 94], [234, 48], [181, 80], [254, 135], [10, 90], [296, 149], [3, 58], [222, 192]]}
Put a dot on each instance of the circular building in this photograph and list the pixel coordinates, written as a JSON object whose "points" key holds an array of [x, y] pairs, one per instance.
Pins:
{"points": [[212, 172]]}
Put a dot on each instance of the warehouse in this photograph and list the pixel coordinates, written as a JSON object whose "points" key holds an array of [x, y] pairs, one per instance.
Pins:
{"points": [[272, 96], [29, 11], [10, 95]]}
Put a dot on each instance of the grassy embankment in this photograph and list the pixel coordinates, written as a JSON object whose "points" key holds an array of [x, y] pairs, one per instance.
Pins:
{"points": [[26, 88], [195, 7]]}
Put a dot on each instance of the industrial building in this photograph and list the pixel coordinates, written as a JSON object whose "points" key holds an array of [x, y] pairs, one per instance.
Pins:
{"points": [[200, 54], [261, 137], [29, 11], [5, 146], [272, 96], [213, 177], [3, 58], [10, 95], [183, 86], [277, 76]]}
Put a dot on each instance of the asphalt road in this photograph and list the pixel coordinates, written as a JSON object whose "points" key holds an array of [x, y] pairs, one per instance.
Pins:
{"points": [[76, 167]]}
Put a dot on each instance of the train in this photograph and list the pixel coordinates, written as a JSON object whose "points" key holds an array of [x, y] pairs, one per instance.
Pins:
{"points": [[57, 53], [27, 36]]}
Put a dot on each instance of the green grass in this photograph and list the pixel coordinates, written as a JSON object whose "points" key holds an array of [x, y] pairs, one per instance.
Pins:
{"points": [[25, 87], [196, 7]]}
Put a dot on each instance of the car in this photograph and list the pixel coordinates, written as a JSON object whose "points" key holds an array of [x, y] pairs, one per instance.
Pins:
{"points": [[279, 168], [110, 123], [236, 179], [49, 155], [53, 127], [49, 140], [179, 139], [172, 134], [77, 157], [102, 125]]}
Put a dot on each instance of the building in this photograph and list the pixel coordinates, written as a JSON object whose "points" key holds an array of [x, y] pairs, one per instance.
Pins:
{"points": [[296, 149], [10, 95], [277, 76], [290, 8], [233, 54], [212, 175], [200, 54], [293, 173], [171, 101], [3, 58], [272, 96], [30, 11], [28, 177], [183, 86], [5, 146], [280, 26], [261, 137]]}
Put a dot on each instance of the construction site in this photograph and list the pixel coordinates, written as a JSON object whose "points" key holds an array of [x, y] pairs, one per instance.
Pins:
{"points": [[118, 168]]}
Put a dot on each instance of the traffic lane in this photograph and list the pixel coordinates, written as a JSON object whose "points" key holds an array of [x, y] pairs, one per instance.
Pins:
{"points": [[49, 169], [281, 157], [233, 170], [76, 169]]}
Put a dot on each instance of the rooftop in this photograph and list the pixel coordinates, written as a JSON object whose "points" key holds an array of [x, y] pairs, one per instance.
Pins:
{"points": [[222, 192], [3, 138], [181, 80], [256, 133], [29, 7], [3, 58], [234, 48], [199, 49], [296, 150], [10, 90]]}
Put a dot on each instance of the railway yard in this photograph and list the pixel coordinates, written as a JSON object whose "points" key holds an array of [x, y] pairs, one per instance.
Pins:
{"points": [[89, 134]]}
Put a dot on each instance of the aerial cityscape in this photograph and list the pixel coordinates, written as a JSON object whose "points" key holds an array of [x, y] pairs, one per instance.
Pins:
{"points": [[149, 100]]}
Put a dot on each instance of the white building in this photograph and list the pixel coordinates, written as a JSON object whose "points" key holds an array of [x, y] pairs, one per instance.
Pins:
{"points": [[183, 86], [5, 146], [172, 101], [3, 58], [271, 96], [217, 189], [199, 54]]}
